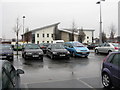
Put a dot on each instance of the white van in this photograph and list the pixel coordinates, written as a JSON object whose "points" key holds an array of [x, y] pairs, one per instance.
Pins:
{"points": [[58, 41]]}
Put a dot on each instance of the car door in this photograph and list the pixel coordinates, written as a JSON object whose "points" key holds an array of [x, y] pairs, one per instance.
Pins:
{"points": [[115, 69], [10, 73], [70, 48], [106, 48]]}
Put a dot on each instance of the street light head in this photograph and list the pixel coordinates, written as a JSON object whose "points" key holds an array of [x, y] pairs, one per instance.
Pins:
{"points": [[98, 2], [23, 16]]}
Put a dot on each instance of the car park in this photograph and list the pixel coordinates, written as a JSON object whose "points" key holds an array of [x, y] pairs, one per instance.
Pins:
{"points": [[111, 70], [44, 46], [6, 52], [77, 49], [57, 51], [32, 51], [107, 48], [10, 77]]}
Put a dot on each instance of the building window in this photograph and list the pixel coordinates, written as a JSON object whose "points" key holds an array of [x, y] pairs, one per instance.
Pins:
{"points": [[37, 42], [51, 41], [51, 35], [43, 35], [87, 37], [37, 35], [47, 35], [43, 41], [47, 41]]}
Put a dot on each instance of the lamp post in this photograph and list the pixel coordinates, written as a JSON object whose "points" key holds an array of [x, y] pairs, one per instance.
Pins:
{"points": [[23, 27], [100, 34]]}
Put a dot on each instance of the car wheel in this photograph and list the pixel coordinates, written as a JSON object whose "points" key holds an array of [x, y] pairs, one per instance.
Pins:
{"points": [[73, 54], [109, 51], [96, 51], [106, 81], [52, 57]]}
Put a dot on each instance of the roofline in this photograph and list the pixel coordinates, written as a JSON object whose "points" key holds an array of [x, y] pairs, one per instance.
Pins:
{"points": [[42, 28]]}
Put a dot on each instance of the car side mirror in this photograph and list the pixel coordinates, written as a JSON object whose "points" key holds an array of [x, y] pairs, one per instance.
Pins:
{"points": [[20, 71]]}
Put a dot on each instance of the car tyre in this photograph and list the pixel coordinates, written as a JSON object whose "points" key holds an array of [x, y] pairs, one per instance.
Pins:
{"points": [[109, 51], [96, 51], [73, 54], [106, 81]]}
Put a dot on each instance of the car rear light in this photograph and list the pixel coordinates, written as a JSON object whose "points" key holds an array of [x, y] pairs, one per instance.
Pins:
{"points": [[116, 48], [42, 47]]}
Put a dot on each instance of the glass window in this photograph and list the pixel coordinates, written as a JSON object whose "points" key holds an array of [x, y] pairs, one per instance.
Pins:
{"points": [[116, 59], [37, 35], [51, 35], [43, 35], [110, 58], [47, 41], [47, 35], [37, 42]]}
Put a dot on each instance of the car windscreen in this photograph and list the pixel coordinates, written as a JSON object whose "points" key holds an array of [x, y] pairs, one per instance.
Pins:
{"points": [[5, 47], [58, 46], [115, 44], [77, 44], [32, 46]]}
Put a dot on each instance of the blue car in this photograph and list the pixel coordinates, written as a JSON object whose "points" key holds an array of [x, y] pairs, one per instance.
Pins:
{"points": [[77, 49], [111, 70]]}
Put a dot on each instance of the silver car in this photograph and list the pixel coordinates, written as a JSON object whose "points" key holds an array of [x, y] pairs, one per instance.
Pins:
{"points": [[107, 48]]}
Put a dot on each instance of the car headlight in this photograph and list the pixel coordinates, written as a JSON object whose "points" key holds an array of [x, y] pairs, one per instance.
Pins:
{"points": [[28, 53], [40, 53], [54, 52], [9, 54], [68, 52], [78, 50]]}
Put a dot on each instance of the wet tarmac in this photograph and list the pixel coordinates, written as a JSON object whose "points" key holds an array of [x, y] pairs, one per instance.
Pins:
{"points": [[55, 73]]}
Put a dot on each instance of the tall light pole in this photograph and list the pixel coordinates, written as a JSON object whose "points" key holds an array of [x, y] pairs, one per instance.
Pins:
{"points": [[23, 27], [100, 34]]}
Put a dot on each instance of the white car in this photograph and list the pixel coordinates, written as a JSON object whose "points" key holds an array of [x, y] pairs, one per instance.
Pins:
{"points": [[107, 48]]}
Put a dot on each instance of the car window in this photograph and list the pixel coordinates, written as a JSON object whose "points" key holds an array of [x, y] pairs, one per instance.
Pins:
{"points": [[107, 45], [5, 80], [32, 46], [110, 58], [58, 46], [116, 60]]}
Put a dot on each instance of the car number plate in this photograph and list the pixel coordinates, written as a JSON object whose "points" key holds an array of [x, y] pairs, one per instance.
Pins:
{"points": [[62, 55], [83, 52], [2, 56], [35, 56]]}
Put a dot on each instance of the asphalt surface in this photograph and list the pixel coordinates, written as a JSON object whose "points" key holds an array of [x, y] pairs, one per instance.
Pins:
{"points": [[61, 73]]}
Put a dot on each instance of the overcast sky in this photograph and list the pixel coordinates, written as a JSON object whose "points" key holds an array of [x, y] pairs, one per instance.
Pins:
{"points": [[39, 13]]}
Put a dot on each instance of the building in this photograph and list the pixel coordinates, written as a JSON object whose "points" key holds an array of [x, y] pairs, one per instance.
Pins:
{"points": [[42, 35], [0, 40], [66, 35], [48, 34]]}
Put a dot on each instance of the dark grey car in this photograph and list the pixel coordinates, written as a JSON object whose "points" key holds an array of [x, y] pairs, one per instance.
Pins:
{"points": [[9, 76], [6, 52], [32, 51], [57, 51]]}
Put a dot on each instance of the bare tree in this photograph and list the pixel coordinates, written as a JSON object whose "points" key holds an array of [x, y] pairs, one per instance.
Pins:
{"points": [[16, 30], [81, 36], [104, 39], [112, 31], [73, 30]]}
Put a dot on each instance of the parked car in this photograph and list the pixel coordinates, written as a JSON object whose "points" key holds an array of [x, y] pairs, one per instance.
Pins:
{"points": [[107, 48], [6, 52], [19, 47], [32, 51], [92, 46], [77, 49], [44, 46], [10, 77], [57, 51], [111, 70]]}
